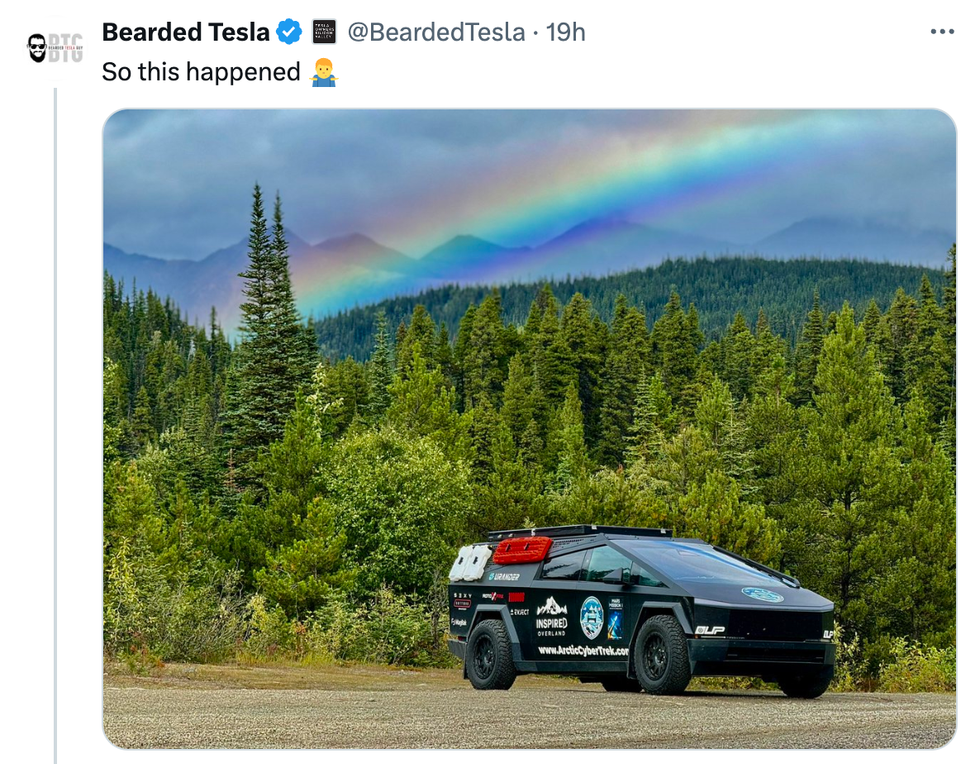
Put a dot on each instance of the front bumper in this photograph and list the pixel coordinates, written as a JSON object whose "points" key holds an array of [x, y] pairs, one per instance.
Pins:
{"points": [[736, 657]]}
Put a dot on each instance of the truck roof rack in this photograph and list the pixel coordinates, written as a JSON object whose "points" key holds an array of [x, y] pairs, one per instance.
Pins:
{"points": [[580, 530]]}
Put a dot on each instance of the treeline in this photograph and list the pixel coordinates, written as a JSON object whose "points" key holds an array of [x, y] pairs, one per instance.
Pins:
{"points": [[719, 287], [260, 502]]}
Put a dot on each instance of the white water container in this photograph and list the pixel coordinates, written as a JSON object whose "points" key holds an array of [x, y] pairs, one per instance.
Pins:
{"points": [[456, 573], [476, 561]]}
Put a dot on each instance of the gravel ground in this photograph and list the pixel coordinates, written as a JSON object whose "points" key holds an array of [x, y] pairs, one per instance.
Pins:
{"points": [[439, 710]]}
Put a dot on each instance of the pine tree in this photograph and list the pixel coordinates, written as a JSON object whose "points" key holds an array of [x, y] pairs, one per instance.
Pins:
{"points": [[849, 466], [653, 421], [739, 351], [521, 408], [808, 353], [550, 355], [379, 371], [570, 438], [676, 338], [485, 359], [627, 362], [421, 331], [273, 359]]}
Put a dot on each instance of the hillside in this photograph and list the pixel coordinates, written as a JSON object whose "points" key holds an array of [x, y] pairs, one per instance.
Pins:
{"points": [[343, 272], [719, 288]]}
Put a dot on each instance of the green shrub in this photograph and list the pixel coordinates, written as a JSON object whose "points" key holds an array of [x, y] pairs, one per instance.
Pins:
{"points": [[918, 668], [148, 617]]}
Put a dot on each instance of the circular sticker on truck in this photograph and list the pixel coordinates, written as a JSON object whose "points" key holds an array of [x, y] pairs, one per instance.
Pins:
{"points": [[762, 594], [591, 617]]}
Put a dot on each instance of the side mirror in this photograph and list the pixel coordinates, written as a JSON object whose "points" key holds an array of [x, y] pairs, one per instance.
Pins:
{"points": [[620, 576]]}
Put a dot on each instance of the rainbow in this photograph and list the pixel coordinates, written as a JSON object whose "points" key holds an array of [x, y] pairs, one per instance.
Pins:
{"points": [[699, 164]]}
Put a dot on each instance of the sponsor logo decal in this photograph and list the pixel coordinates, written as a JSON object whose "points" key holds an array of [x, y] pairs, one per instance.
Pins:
{"points": [[515, 596], [709, 631], [551, 627], [615, 628], [828, 634], [762, 594], [462, 604], [493, 596], [458, 622], [615, 603], [551, 607], [584, 651], [520, 611], [591, 617], [504, 577]]}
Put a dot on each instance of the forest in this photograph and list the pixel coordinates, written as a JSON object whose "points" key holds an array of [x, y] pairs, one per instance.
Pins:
{"points": [[720, 287], [264, 500]]}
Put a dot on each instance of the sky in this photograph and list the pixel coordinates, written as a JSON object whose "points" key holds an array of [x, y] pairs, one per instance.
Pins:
{"points": [[178, 183]]}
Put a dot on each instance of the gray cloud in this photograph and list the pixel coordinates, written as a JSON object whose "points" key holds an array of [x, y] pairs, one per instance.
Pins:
{"points": [[178, 183]]}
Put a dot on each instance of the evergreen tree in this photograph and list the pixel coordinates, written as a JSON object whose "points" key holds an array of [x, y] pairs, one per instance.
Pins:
{"points": [[653, 421], [570, 437], [627, 363], [273, 358], [421, 331], [379, 371], [676, 338], [739, 351], [808, 353], [849, 463]]}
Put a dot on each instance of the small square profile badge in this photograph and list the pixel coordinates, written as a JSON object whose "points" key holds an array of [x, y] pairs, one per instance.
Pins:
{"points": [[324, 30]]}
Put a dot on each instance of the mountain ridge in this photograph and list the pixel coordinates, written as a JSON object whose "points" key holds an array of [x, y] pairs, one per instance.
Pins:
{"points": [[341, 272]]}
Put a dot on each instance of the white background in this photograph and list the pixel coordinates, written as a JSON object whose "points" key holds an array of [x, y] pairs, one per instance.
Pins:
{"points": [[641, 55]]}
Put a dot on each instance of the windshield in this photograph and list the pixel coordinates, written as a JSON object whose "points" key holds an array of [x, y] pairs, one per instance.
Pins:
{"points": [[681, 561]]}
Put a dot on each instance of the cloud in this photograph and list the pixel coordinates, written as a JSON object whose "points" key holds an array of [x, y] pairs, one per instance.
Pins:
{"points": [[178, 183]]}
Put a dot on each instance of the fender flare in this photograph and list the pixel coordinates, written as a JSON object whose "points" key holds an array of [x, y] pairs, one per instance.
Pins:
{"points": [[674, 608], [502, 613]]}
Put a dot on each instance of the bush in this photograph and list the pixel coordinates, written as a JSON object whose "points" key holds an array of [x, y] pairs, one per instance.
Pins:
{"points": [[916, 668], [148, 617], [387, 629]]}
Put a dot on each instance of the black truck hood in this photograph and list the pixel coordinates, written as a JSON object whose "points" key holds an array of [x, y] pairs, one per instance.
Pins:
{"points": [[776, 596]]}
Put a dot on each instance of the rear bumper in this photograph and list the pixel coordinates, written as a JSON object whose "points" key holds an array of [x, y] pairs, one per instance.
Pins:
{"points": [[731, 657], [457, 647]]}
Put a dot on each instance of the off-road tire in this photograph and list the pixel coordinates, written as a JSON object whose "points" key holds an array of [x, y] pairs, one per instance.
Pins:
{"points": [[660, 656], [489, 660], [805, 686], [620, 684]]}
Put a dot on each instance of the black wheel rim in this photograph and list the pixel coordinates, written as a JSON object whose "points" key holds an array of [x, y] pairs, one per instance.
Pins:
{"points": [[484, 656], [655, 657]]}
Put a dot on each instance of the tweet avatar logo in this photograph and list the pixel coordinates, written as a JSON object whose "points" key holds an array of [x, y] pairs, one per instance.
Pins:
{"points": [[288, 31]]}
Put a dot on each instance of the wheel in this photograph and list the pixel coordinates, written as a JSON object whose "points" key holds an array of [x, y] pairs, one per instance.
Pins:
{"points": [[489, 662], [812, 686], [620, 684], [660, 656]]}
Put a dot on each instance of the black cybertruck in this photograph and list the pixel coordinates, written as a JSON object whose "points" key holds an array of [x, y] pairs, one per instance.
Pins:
{"points": [[633, 609]]}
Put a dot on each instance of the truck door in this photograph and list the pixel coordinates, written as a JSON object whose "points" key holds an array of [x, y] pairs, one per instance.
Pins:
{"points": [[605, 616]]}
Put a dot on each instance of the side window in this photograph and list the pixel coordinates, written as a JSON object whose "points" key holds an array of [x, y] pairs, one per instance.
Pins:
{"points": [[565, 566], [604, 561], [644, 577]]}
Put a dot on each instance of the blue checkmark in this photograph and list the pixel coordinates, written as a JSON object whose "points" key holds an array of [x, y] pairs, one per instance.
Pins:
{"points": [[288, 31]]}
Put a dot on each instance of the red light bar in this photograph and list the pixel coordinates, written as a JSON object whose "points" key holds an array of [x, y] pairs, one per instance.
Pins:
{"points": [[527, 549]]}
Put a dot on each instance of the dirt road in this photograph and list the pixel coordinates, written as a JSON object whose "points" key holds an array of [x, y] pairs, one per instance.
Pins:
{"points": [[230, 707]]}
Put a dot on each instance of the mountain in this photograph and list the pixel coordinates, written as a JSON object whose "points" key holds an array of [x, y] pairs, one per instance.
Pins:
{"points": [[862, 239], [469, 259], [601, 246], [340, 273]]}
